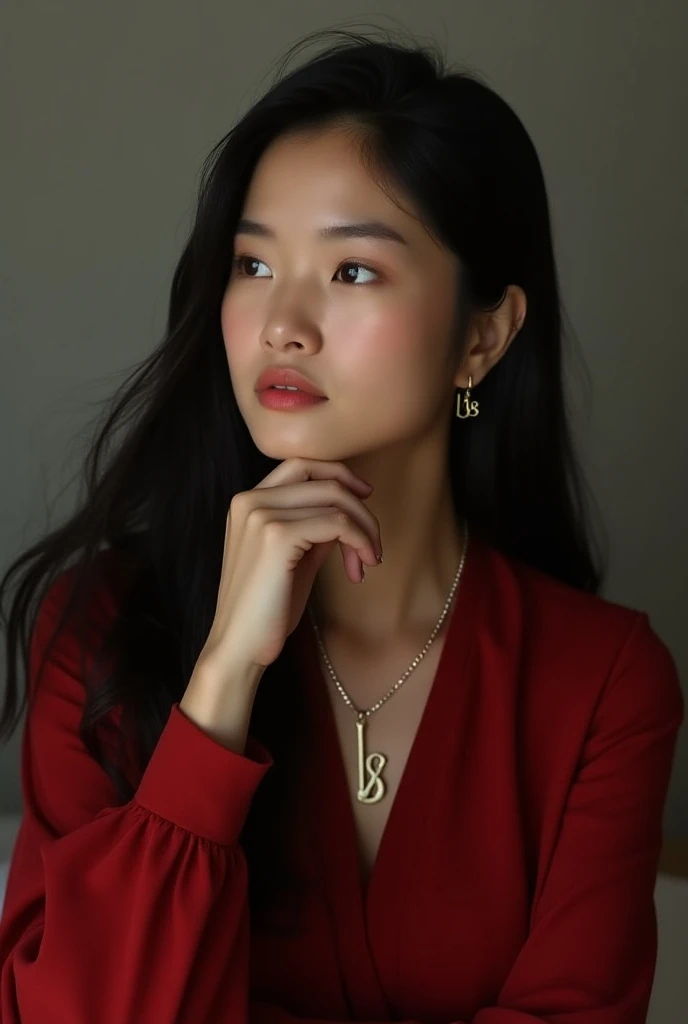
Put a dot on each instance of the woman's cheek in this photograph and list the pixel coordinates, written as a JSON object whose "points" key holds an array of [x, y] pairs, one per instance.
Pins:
{"points": [[381, 338], [239, 332]]}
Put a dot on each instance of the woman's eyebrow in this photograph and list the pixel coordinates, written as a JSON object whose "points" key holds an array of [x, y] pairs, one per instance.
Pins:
{"points": [[363, 229]]}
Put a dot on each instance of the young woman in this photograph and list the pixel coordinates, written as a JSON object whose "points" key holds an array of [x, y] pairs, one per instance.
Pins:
{"points": [[254, 787]]}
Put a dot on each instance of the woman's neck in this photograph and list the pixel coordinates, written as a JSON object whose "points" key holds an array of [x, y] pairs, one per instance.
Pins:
{"points": [[422, 551]]}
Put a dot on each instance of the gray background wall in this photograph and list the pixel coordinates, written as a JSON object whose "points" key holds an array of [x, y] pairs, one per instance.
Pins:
{"points": [[108, 111]]}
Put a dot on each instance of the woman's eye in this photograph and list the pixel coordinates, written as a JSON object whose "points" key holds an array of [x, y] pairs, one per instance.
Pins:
{"points": [[239, 263], [359, 266]]}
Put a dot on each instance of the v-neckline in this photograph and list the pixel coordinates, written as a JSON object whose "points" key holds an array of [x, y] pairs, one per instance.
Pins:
{"points": [[332, 820]]}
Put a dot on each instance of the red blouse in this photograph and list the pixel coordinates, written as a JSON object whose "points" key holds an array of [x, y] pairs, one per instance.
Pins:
{"points": [[514, 882]]}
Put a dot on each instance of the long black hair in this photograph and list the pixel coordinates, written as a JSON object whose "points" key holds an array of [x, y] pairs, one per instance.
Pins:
{"points": [[156, 502]]}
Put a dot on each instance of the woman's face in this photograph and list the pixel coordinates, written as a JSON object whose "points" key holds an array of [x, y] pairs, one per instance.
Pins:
{"points": [[367, 319]]}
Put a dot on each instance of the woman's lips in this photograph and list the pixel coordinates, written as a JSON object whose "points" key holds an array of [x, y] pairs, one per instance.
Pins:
{"points": [[275, 398], [289, 376]]}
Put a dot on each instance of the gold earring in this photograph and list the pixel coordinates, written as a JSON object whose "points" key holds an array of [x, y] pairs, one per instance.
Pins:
{"points": [[470, 408]]}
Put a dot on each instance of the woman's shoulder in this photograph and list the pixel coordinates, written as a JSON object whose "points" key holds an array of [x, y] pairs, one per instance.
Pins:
{"points": [[103, 582], [562, 607], [584, 641], [75, 609]]}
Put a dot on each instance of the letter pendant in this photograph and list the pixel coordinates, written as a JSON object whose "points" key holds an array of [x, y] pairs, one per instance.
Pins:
{"points": [[470, 407], [372, 789]]}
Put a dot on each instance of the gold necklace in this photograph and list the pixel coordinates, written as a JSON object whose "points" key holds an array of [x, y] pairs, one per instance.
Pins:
{"points": [[371, 785]]}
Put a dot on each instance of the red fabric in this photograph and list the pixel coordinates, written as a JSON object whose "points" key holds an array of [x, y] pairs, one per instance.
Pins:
{"points": [[515, 879]]}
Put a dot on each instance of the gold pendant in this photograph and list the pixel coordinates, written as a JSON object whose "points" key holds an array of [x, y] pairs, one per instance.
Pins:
{"points": [[372, 789], [470, 407]]}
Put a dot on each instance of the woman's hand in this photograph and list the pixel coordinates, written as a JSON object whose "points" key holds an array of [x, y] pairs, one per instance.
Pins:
{"points": [[278, 535]]}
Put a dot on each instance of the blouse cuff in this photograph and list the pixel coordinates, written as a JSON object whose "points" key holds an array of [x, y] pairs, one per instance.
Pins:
{"points": [[200, 785]]}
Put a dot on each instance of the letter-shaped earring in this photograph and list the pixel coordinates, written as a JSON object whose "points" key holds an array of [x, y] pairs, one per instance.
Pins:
{"points": [[469, 408]]}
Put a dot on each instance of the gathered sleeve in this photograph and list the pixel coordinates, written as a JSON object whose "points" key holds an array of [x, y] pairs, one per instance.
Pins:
{"points": [[123, 913]]}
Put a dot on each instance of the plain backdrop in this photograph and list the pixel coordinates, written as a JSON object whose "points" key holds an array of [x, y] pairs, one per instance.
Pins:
{"points": [[108, 110]]}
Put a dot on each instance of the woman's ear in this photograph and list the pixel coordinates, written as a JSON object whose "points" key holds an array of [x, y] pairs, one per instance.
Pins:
{"points": [[490, 335]]}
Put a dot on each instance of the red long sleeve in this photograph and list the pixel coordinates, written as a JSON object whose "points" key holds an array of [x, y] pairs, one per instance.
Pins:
{"points": [[112, 912], [519, 892]]}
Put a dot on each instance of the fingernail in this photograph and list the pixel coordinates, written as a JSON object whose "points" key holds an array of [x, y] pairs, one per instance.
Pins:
{"points": [[362, 575]]}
